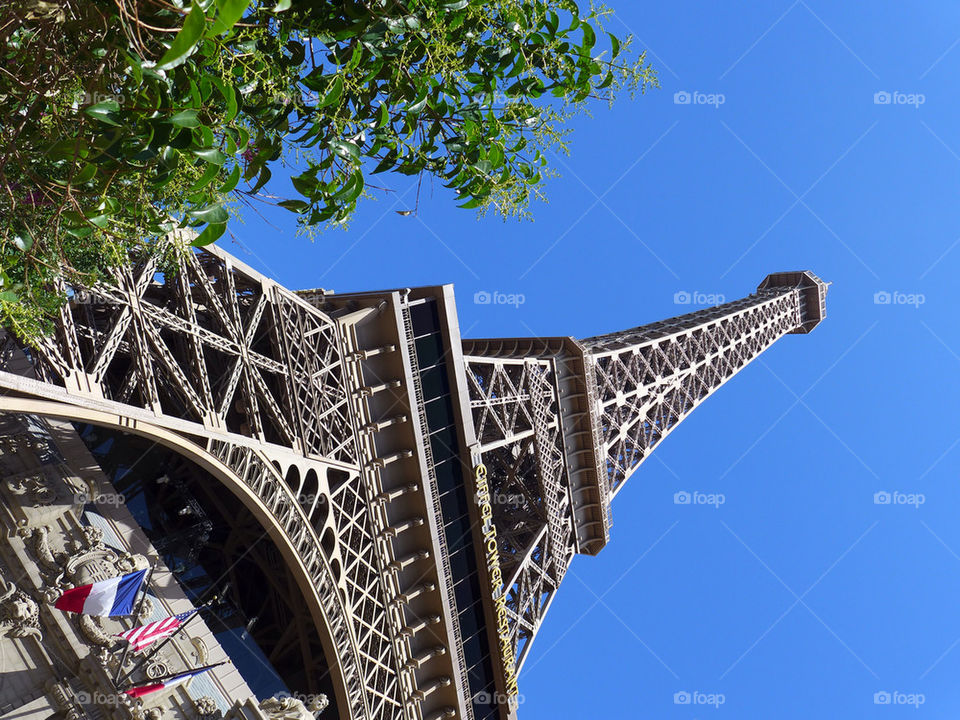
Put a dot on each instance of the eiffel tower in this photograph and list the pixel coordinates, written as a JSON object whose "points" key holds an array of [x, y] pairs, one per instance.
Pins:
{"points": [[425, 493]]}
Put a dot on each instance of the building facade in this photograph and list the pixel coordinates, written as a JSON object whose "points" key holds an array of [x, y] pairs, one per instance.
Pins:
{"points": [[393, 507]]}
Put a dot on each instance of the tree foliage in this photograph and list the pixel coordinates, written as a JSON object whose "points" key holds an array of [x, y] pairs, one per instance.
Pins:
{"points": [[128, 119]]}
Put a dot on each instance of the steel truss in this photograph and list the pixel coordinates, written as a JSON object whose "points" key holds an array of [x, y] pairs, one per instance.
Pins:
{"points": [[268, 385], [625, 391]]}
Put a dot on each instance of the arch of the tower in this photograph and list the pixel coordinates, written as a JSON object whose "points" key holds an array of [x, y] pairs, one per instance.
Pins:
{"points": [[272, 497]]}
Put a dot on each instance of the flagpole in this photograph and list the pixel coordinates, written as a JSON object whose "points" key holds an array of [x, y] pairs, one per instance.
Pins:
{"points": [[163, 642], [154, 681], [136, 613]]}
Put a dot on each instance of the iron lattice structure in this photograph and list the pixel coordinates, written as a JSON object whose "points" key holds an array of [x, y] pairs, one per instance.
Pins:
{"points": [[266, 384], [563, 424], [315, 409]]}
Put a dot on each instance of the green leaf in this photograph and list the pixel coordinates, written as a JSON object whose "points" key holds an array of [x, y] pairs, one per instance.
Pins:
{"points": [[418, 104], [186, 40], [209, 235], [208, 175], [23, 243], [265, 176], [615, 44], [211, 155], [230, 95], [228, 12], [105, 112], [297, 206], [214, 213], [80, 232], [345, 149], [86, 174], [350, 191], [282, 5], [589, 37], [384, 116], [333, 94], [9, 296], [185, 118], [456, 4], [305, 184], [231, 181]]}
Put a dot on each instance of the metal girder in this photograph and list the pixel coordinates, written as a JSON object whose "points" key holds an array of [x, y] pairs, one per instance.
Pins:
{"points": [[622, 394]]}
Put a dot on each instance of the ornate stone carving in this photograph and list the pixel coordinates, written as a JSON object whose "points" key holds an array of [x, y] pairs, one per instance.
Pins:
{"points": [[33, 489], [285, 708], [206, 707], [19, 613], [146, 610], [90, 627], [92, 537], [317, 704], [157, 668], [41, 545], [63, 698], [200, 653]]}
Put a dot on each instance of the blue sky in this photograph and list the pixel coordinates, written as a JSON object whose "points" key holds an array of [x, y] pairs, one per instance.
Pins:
{"points": [[799, 596]]}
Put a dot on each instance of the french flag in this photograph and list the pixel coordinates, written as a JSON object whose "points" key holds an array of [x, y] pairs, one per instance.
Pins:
{"points": [[169, 682], [107, 598]]}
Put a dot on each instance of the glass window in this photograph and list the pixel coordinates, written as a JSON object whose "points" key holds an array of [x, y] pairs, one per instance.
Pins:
{"points": [[444, 443], [458, 533], [430, 350], [467, 590], [439, 413], [462, 563], [424, 317], [435, 382], [448, 475]]}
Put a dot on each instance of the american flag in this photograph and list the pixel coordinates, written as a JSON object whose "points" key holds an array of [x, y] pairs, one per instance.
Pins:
{"points": [[141, 636]]}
